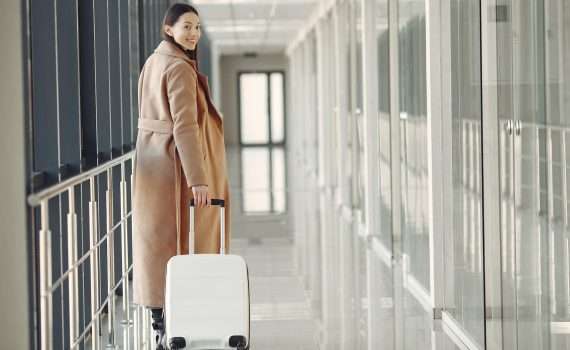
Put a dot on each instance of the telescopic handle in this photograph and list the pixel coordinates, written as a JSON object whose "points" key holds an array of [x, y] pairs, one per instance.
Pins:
{"points": [[213, 201], [216, 202]]}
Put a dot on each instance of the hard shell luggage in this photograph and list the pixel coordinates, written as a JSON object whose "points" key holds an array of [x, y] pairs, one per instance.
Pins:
{"points": [[207, 297]]}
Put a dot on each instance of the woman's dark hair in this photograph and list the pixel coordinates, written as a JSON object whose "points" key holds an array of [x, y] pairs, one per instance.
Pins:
{"points": [[170, 18]]}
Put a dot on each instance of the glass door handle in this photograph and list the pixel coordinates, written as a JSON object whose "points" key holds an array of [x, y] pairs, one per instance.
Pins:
{"points": [[509, 127], [518, 127]]}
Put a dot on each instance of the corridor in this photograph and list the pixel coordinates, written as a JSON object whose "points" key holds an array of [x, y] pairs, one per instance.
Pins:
{"points": [[398, 171]]}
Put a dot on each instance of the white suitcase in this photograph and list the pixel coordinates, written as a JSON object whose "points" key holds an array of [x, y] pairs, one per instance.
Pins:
{"points": [[207, 298]]}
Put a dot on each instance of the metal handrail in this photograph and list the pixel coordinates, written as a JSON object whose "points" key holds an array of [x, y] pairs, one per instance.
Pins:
{"points": [[35, 199], [85, 256], [97, 236]]}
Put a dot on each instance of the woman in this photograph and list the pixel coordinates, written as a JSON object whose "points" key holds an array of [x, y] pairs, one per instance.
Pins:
{"points": [[179, 155]]}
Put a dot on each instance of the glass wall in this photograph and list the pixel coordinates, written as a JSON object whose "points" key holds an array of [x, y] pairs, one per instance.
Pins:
{"points": [[357, 111], [384, 157], [463, 242], [439, 92], [557, 47], [557, 15], [532, 46], [413, 139]]}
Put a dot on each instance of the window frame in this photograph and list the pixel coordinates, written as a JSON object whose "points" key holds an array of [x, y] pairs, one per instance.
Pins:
{"points": [[267, 72], [270, 145]]}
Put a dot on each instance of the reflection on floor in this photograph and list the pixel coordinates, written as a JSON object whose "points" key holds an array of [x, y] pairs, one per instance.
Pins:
{"points": [[282, 317], [280, 311]]}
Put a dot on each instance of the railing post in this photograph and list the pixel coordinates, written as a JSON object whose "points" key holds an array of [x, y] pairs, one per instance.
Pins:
{"points": [[565, 204], [45, 279], [565, 181], [124, 249], [73, 276], [146, 327], [223, 230], [192, 233], [93, 228], [136, 327], [127, 321], [141, 309], [110, 260]]}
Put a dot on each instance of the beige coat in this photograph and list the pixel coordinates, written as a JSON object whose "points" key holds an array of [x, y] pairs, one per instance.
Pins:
{"points": [[180, 143]]}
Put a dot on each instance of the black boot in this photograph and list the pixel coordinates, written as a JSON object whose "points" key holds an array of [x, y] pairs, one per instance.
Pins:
{"points": [[158, 327]]}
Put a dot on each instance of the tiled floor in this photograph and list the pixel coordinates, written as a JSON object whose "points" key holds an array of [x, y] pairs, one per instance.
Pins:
{"points": [[282, 317], [280, 311]]}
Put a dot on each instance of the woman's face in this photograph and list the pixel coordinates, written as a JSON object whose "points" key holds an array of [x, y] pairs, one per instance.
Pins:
{"points": [[186, 31]]}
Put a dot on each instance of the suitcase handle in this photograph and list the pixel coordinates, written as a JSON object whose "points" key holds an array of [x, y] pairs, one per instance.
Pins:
{"points": [[213, 201], [216, 202]]}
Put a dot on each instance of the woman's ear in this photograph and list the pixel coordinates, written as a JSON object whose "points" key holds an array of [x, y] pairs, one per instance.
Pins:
{"points": [[168, 30]]}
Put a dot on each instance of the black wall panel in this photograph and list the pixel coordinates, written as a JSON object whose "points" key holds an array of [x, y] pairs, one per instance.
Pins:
{"points": [[115, 79], [135, 65], [124, 80], [44, 92], [68, 88], [89, 128], [102, 81]]}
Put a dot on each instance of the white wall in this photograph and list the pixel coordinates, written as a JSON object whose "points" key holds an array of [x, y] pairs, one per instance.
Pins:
{"points": [[14, 289]]}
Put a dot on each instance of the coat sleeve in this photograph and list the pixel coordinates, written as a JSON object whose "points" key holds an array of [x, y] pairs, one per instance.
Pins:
{"points": [[182, 98], [140, 89]]}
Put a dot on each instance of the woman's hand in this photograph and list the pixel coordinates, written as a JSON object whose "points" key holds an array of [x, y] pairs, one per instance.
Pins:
{"points": [[201, 196]]}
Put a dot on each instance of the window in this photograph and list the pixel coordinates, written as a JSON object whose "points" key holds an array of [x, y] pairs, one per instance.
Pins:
{"points": [[261, 106], [262, 139]]}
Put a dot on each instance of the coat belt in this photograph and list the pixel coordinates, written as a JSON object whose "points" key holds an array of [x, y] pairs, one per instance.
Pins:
{"points": [[165, 127], [156, 125]]}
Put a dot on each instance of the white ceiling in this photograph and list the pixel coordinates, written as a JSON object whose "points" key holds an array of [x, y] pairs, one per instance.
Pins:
{"points": [[261, 26]]}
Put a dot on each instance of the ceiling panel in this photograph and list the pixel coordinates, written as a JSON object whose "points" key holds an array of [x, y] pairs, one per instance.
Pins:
{"points": [[253, 25], [200, 3]]}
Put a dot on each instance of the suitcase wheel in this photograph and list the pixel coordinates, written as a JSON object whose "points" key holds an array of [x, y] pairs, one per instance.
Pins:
{"points": [[177, 343], [238, 342]]}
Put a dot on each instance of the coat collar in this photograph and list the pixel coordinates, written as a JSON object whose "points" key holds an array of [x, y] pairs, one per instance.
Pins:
{"points": [[167, 48]]}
